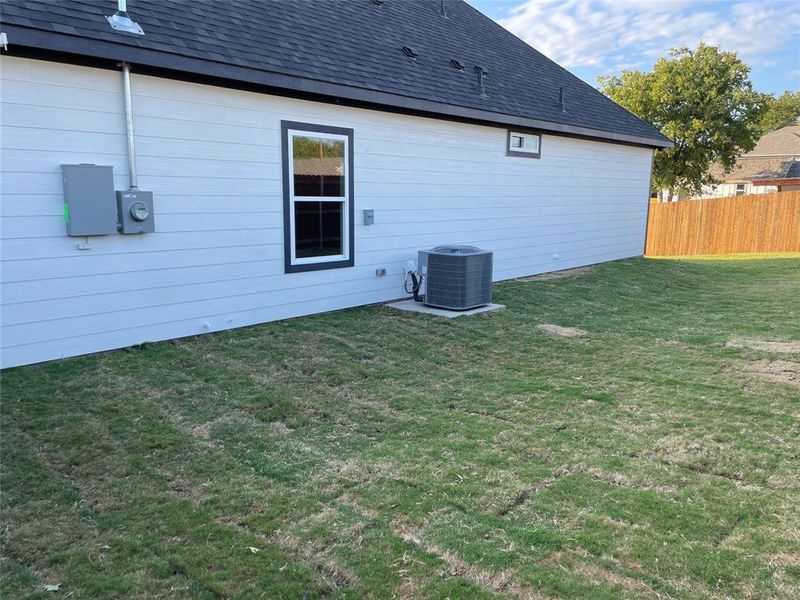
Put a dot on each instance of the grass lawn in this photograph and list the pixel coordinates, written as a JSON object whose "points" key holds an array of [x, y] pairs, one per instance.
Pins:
{"points": [[648, 447]]}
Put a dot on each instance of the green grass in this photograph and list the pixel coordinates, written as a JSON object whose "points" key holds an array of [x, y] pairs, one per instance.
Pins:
{"points": [[378, 454]]}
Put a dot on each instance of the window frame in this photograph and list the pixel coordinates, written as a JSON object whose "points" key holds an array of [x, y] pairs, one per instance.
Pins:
{"points": [[292, 264], [523, 133]]}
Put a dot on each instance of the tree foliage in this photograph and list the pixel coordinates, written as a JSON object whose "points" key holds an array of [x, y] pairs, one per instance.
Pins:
{"points": [[703, 101], [781, 111]]}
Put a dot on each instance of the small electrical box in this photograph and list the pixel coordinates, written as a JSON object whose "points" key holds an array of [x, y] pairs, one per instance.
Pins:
{"points": [[89, 200], [135, 210], [369, 216]]}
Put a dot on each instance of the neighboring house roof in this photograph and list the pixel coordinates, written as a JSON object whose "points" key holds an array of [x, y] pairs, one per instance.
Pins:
{"points": [[318, 166], [790, 176], [781, 142], [346, 49], [747, 169], [774, 154]]}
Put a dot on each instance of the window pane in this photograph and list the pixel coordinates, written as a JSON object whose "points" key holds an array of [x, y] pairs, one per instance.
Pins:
{"points": [[318, 228], [318, 166], [516, 141]]}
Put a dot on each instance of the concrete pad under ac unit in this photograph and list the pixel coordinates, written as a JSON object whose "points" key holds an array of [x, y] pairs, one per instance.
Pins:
{"points": [[419, 307]]}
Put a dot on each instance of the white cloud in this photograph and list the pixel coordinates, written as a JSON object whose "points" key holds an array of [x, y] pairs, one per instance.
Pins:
{"points": [[757, 29], [613, 34]]}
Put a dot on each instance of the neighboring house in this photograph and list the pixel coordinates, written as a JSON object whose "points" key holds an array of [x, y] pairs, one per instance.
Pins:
{"points": [[785, 181], [771, 166], [266, 132]]}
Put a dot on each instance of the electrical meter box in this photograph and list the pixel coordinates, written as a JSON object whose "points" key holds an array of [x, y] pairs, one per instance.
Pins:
{"points": [[89, 207], [135, 212]]}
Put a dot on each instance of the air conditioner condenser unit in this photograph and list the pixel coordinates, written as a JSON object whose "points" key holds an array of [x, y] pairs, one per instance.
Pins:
{"points": [[456, 277]]}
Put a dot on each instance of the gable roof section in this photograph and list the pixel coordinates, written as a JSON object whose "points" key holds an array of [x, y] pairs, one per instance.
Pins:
{"points": [[774, 155], [781, 142], [348, 49]]}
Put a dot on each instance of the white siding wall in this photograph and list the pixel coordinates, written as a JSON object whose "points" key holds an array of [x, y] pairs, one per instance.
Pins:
{"points": [[212, 158]]}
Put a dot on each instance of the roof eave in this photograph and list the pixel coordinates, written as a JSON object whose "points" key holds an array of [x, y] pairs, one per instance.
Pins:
{"points": [[777, 181], [70, 45]]}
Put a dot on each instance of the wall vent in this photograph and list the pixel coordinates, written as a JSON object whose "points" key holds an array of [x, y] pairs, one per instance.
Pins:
{"points": [[410, 52], [457, 65]]}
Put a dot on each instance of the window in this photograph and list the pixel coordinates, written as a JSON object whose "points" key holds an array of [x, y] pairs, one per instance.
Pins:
{"points": [[317, 196], [740, 189], [526, 144]]}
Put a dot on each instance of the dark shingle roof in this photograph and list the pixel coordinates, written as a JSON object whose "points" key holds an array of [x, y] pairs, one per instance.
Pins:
{"points": [[344, 48]]}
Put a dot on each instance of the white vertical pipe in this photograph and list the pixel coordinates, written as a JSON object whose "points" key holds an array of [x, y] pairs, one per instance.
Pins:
{"points": [[122, 5], [126, 86]]}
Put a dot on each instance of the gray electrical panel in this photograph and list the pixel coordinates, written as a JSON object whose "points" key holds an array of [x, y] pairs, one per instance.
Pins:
{"points": [[89, 207], [135, 212]]}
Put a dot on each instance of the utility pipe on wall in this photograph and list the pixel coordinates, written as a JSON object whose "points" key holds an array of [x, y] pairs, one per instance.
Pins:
{"points": [[126, 87]]}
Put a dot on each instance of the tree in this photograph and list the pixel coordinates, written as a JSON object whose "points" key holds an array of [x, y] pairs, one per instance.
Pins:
{"points": [[780, 112], [703, 101]]}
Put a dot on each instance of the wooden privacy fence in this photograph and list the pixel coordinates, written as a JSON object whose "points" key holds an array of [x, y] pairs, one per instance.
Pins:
{"points": [[755, 223]]}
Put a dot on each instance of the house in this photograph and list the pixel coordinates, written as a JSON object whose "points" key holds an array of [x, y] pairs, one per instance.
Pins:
{"points": [[771, 166], [785, 180], [249, 141]]}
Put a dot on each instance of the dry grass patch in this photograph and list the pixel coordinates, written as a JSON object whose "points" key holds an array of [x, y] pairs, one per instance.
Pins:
{"points": [[351, 470], [186, 488], [543, 484], [784, 559], [779, 371], [351, 500], [334, 574], [594, 573], [203, 430], [765, 345], [621, 480], [492, 581], [703, 456], [569, 332], [280, 428]]}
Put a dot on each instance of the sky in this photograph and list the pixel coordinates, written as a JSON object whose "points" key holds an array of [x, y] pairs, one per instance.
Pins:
{"points": [[600, 37]]}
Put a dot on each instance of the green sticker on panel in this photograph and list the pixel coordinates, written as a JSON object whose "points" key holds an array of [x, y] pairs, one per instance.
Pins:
{"points": [[66, 212]]}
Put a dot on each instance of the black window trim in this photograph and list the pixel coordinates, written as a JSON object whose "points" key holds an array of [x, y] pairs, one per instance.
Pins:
{"points": [[528, 132], [287, 201]]}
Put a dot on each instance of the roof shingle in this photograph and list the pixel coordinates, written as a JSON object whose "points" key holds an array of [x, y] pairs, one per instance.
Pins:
{"points": [[352, 43]]}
